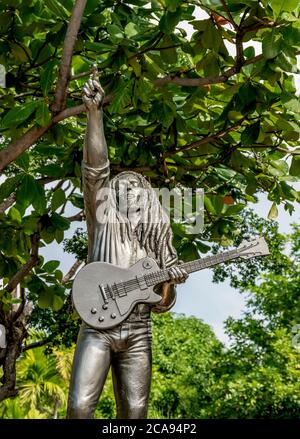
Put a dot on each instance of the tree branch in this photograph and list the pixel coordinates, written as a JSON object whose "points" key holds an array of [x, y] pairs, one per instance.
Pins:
{"points": [[8, 202], [69, 42], [71, 272], [230, 17], [16, 314], [77, 217], [14, 149], [36, 344], [205, 140], [200, 82]]}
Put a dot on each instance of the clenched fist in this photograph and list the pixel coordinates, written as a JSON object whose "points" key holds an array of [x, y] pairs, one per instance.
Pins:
{"points": [[92, 94]]}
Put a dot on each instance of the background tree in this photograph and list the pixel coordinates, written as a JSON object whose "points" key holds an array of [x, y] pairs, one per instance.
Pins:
{"points": [[260, 373], [181, 110]]}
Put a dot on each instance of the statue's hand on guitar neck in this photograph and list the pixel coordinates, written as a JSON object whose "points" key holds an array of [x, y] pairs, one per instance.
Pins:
{"points": [[177, 275]]}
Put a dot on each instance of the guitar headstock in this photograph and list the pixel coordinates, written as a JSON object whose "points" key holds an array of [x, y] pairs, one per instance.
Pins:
{"points": [[255, 247]]}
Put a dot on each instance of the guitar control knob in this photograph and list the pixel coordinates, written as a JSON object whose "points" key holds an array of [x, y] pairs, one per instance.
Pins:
{"points": [[101, 319], [113, 315], [147, 264], [104, 306], [93, 310]]}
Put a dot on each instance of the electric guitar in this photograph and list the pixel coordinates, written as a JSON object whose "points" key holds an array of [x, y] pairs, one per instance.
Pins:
{"points": [[104, 294]]}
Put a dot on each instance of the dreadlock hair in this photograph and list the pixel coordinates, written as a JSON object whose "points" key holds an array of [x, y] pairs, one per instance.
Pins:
{"points": [[153, 231]]}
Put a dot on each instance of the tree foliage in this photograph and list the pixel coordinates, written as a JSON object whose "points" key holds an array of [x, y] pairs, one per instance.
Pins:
{"points": [[181, 110], [261, 371]]}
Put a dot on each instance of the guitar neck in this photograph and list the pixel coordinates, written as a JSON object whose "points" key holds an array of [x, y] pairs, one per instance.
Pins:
{"points": [[192, 266]]}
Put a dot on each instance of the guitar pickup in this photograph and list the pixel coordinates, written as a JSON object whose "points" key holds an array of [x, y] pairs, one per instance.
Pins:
{"points": [[120, 288], [141, 283], [102, 289]]}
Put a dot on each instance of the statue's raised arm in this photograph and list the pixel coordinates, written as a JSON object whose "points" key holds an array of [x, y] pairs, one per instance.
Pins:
{"points": [[95, 165], [95, 148]]}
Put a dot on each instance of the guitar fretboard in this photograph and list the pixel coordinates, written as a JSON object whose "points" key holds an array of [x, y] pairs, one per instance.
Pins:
{"points": [[192, 266]]}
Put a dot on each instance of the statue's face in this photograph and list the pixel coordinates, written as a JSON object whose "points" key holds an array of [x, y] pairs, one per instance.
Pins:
{"points": [[129, 193]]}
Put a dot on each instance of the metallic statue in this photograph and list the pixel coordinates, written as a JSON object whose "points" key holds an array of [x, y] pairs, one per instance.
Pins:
{"points": [[120, 236]]}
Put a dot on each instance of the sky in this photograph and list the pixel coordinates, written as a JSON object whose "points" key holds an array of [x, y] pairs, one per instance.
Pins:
{"points": [[199, 296]]}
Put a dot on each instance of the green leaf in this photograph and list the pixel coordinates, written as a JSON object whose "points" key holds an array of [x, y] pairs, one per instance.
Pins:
{"points": [[278, 168], [291, 34], [59, 235], [25, 192], [273, 212], [172, 5], [23, 161], [285, 62], [167, 115], [19, 53], [131, 29], [250, 134], [9, 186], [51, 170], [234, 209], [214, 204], [211, 38], [292, 105], [98, 47], [169, 56], [116, 33], [43, 115], [188, 251], [15, 215], [58, 198], [51, 297], [279, 6], [295, 166], [249, 52], [51, 266], [59, 222], [77, 200], [271, 44], [45, 299], [169, 20], [122, 98], [32, 192], [202, 248], [18, 114], [57, 303], [57, 9], [47, 77], [210, 65]]}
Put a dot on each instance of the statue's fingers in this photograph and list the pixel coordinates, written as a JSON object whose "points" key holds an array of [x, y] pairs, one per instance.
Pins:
{"points": [[97, 98], [97, 86], [88, 86], [91, 84], [178, 272], [171, 273], [86, 100], [87, 91], [184, 275]]}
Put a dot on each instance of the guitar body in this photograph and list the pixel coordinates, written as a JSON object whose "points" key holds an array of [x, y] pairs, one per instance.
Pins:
{"points": [[100, 299], [104, 294]]}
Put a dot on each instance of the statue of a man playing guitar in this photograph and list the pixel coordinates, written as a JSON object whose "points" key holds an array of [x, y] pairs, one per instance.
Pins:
{"points": [[121, 234]]}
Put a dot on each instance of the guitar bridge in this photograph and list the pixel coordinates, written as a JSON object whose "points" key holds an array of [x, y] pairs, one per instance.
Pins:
{"points": [[102, 289]]}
